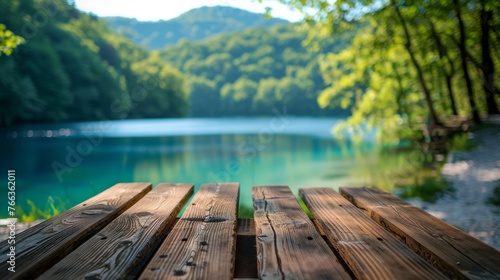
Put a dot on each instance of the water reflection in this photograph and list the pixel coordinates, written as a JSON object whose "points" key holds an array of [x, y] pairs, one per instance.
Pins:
{"points": [[494, 199], [408, 171], [63, 171]]}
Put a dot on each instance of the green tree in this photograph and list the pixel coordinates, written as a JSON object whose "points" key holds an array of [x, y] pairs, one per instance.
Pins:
{"points": [[266, 98], [237, 98], [262, 56], [18, 95], [410, 43], [72, 67], [204, 98], [8, 40]]}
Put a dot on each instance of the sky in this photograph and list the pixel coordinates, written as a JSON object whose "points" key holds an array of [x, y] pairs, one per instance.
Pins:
{"points": [[152, 10]]}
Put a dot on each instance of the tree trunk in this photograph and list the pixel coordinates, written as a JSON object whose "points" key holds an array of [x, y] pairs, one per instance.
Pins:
{"points": [[463, 57], [450, 92], [474, 61], [487, 65], [420, 74], [447, 74]]}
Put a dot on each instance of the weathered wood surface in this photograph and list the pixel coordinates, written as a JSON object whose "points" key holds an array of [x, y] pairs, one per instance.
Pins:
{"points": [[119, 250], [451, 250], [202, 243], [41, 246], [281, 242], [369, 250], [288, 245]]}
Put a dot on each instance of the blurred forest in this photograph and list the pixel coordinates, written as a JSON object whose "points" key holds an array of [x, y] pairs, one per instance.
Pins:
{"points": [[72, 67], [394, 65], [412, 62], [252, 72], [194, 25]]}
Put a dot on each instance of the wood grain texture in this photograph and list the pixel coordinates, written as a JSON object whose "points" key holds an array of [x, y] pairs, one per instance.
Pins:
{"points": [[41, 246], [202, 243], [288, 245], [369, 250], [118, 250], [246, 226], [457, 254]]}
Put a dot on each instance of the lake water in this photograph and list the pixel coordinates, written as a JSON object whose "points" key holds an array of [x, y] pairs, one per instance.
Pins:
{"points": [[59, 166], [62, 165]]}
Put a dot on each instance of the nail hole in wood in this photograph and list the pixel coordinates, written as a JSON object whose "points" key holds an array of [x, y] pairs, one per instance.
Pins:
{"points": [[184, 239], [179, 272], [309, 238], [379, 239]]}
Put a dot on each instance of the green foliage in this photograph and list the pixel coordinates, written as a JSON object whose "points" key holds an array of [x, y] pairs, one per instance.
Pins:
{"points": [[194, 25], [403, 68], [410, 171], [253, 72], [8, 40], [430, 189], [52, 208], [165, 91], [245, 212], [461, 142], [73, 68]]}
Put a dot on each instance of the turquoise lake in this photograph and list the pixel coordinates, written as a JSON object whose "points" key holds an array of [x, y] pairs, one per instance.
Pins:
{"points": [[67, 163]]}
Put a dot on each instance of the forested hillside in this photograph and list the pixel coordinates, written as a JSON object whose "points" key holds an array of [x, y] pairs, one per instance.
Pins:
{"points": [[194, 25], [72, 67], [255, 71]]}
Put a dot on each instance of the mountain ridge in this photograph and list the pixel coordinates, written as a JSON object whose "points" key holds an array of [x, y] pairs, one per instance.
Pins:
{"points": [[194, 25]]}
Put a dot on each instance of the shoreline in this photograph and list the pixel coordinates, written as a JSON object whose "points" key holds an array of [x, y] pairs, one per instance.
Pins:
{"points": [[474, 175]]}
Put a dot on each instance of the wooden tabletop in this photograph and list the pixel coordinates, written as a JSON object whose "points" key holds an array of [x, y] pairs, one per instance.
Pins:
{"points": [[131, 231]]}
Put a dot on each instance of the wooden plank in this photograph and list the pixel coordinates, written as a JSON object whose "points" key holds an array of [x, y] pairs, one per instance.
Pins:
{"points": [[449, 249], [246, 226], [202, 243], [369, 250], [119, 250], [246, 257], [288, 245], [41, 246]]}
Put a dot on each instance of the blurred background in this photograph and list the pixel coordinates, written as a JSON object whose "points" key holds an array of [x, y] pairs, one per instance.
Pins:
{"points": [[400, 95]]}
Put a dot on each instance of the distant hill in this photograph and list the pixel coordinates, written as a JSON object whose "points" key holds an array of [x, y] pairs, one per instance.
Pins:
{"points": [[255, 72], [194, 25]]}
